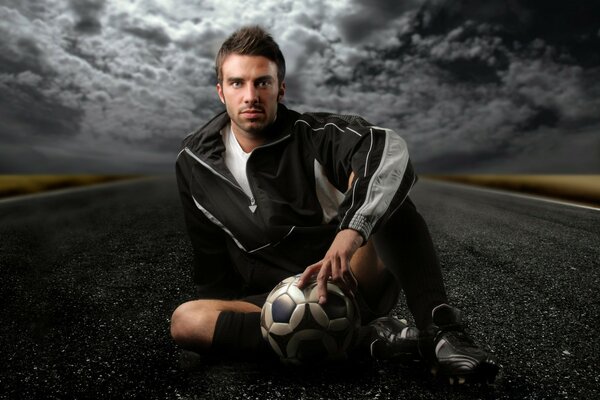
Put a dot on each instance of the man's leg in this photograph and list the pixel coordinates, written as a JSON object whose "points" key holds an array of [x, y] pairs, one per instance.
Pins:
{"points": [[402, 247], [378, 292], [406, 248], [218, 326], [368, 269], [404, 244]]}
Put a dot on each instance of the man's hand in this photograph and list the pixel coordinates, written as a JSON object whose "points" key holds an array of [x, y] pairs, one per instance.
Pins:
{"points": [[335, 265]]}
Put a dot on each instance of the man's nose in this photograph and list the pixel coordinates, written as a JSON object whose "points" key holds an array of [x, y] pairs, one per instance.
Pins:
{"points": [[251, 94]]}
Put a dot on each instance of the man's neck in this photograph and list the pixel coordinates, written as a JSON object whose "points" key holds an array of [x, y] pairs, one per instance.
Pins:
{"points": [[248, 142]]}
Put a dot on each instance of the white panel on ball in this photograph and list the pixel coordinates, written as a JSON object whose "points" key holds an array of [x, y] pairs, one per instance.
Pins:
{"points": [[268, 314], [319, 315], [275, 294], [297, 316], [280, 328], [265, 333], [296, 294], [313, 293], [339, 324], [335, 289]]}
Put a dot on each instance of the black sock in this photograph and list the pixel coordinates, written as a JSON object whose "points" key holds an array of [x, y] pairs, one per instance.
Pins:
{"points": [[238, 335]]}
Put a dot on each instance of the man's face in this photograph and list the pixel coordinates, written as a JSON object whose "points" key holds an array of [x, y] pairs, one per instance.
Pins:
{"points": [[250, 92]]}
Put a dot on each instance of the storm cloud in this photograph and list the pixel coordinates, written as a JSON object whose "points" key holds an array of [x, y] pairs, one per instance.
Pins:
{"points": [[110, 86], [88, 13]]}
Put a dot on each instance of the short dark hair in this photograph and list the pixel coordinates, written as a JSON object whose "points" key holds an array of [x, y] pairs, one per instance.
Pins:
{"points": [[251, 41]]}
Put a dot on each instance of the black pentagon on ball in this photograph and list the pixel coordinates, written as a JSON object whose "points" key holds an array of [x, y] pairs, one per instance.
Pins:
{"points": [[335, 307], [282, 308], [310, 351]]}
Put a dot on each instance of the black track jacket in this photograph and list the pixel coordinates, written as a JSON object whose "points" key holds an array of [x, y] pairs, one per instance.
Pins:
{"points": [[299, 180]]}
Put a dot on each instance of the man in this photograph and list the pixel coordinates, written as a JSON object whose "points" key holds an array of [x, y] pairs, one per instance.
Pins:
{"points": [[268, 193]]}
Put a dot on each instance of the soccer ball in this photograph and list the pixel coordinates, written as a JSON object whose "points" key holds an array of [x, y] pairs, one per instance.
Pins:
{"points": [[302, 331]]}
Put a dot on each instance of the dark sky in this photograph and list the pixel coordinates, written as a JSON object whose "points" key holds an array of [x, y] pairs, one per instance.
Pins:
{"points": [[473, 86]]}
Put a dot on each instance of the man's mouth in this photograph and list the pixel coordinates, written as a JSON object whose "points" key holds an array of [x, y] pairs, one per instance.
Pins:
{"points": [[252, 113]]}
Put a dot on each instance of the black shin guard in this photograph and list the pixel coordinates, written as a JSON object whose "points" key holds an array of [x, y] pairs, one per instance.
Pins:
{"points": [[238, 335], [406, 249]]}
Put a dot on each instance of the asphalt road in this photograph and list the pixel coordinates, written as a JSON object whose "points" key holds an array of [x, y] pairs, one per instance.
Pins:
{"points": [[89, 279]]}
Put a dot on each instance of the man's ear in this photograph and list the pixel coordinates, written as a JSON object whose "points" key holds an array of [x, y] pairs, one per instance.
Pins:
{"points": [[220, 92], [281, 91]]}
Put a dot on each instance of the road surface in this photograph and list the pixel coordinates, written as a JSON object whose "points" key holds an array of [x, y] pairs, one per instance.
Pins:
{"points": [[90, 277]]}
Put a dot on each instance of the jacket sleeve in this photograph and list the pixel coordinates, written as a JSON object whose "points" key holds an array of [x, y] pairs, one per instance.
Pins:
{"points": [[379, 159], [211, 261]]}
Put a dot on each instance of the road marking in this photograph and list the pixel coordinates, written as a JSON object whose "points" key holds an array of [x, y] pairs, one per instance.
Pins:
{"points": [[72, 189], [513, 194]]}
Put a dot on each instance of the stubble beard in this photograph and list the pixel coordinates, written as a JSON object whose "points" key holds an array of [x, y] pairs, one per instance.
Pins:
{"points": [[252, 128]]}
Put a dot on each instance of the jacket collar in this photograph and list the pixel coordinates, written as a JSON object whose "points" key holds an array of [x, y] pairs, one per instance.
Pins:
{"points": [[208, 144]]}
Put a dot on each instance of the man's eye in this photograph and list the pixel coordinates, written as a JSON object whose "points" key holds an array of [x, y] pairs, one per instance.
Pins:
{"points": [[236, 84], [264, 84]]}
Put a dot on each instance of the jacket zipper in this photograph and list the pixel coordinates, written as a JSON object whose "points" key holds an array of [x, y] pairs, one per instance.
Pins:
{"points": [[215, 172], [237, 187]]}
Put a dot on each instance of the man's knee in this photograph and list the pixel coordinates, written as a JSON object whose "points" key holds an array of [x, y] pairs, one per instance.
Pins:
{"points": [[366, 263], [189, 323]]}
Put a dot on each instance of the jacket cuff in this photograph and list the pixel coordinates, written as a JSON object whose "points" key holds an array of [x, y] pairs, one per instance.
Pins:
{"points": [[363, 224]]}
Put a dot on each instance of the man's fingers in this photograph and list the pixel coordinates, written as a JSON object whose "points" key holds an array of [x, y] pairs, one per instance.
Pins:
{"points": [[322, 282], [336, 273], [335, 268], [308, 273]]}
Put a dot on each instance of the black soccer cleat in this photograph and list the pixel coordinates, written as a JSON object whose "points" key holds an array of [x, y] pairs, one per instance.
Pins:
{"points": [[452, 353], [392, 338]]}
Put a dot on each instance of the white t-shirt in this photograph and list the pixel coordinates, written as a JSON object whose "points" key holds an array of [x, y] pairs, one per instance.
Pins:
{"points": [[236, 159]]}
